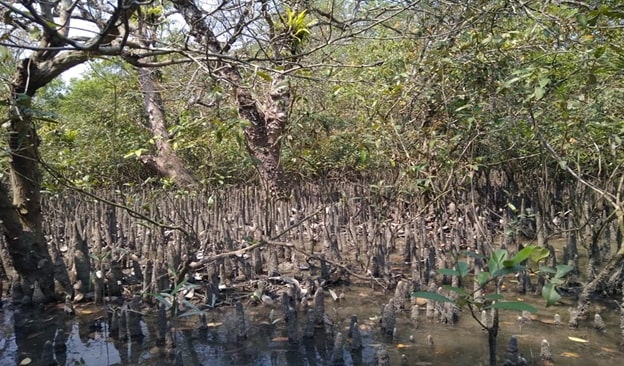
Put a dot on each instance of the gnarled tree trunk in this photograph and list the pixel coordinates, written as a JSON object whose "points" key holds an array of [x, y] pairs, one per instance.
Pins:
{"points": [[165, 162], [264, 133], [613, 265], [20, 204], [267, 118], [21, 215]]}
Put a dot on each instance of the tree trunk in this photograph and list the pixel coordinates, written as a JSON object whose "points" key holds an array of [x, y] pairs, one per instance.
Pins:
{"points": [[267, 122], [264, 133], [21, 216], [54, 52], [165, 162], [614, 264]]}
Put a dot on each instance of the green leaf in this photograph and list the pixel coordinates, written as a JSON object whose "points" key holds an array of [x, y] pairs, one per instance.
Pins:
{"points": [[462, 269], [194, 309], [543, 82], [493, 266], [539, 92], [562, 270], [493, 297], [264, 75], [34, 33], [363, 156], [550, 294], [581, 19], [500, 255], [161, 298], [508, 263], [508, 270], [513, 305], [496, 260], [448, 272], [457, 290], [522, 255], [431, 296], [556, 281], [483, 277], [539, 253], [547, 269]]}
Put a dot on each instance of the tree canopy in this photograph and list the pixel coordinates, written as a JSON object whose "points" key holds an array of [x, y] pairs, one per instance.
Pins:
{"points": [[435, 94]]}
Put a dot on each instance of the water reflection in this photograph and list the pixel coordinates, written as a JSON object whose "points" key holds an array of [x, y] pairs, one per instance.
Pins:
{"points": [[95, 349], [86, 339]]}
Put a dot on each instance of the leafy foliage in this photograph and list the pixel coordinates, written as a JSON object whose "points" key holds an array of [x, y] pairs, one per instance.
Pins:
{"points": [[92, 128], [409, 94], [297, 26], [500, 265]]}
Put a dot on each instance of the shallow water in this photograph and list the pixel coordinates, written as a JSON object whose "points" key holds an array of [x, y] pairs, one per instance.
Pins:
{"points": [[87, 342]]}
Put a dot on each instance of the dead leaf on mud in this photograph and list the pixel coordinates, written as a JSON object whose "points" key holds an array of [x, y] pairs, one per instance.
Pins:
{"points": [[26, 361], [548, 321], [579, 340], [365, 328], [87, 311], [610, 350], [570, 355]]}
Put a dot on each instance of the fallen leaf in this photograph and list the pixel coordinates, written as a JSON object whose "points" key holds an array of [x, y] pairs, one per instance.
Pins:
{"points": [[608, 349], [26, 361], [365, 328], [580, 340], [570, 354]]}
